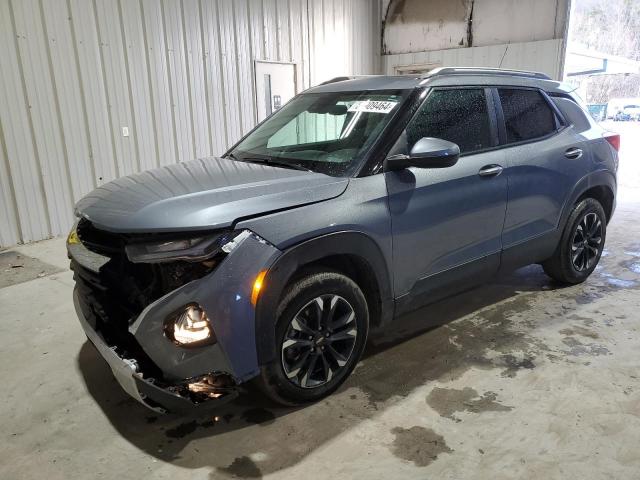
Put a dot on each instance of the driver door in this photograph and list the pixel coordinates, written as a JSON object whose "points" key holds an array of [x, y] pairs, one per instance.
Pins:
{"points": [[447, 222]]}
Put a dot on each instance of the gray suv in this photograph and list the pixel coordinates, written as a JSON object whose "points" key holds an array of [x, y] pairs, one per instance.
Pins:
{"points": [[359, 200]]}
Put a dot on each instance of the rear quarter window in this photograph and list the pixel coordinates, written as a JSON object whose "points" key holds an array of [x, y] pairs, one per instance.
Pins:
{"points": [[527, 115], [573, 113]]}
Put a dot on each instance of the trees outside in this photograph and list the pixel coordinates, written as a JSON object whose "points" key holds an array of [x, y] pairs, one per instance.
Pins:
{"points": [[609, 26]]}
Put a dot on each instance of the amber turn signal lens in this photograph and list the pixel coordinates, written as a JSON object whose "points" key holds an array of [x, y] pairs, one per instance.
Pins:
{"points": [[258, 284]]}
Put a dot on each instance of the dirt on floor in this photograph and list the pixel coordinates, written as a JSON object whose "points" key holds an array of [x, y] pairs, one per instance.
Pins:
{"points": [[17, 268]]}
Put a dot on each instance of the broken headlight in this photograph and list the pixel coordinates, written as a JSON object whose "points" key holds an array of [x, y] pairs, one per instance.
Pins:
{"points": [[190, 327], [192, 249]]}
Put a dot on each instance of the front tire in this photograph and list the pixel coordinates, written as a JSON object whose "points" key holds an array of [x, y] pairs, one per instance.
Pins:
{"points": [[581, 244], [321, 331]]}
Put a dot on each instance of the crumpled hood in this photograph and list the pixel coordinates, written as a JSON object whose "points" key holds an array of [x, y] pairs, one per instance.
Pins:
{"points": [[202, 194]]}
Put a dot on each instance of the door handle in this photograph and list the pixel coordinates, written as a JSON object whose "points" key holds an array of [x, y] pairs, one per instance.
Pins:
{"points": [[490, 171], [573, 153]]}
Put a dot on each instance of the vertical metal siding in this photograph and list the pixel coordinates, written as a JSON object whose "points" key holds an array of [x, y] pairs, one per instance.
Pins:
{"points": [[22, 168], [9, 233], [46, 129], [92, 91], [179, 74], [142, 130]]}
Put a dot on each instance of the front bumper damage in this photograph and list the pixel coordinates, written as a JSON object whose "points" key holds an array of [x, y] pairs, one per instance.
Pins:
{"points": [[168, 377], [132, 380]]}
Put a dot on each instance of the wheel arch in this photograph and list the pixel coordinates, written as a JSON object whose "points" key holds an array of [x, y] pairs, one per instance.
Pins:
{"points": [[603, 194], [354, 254], [600, 185]]}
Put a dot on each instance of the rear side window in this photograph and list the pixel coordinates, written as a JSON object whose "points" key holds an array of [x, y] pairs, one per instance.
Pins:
{"points": [[458, 115], [527, 115]]}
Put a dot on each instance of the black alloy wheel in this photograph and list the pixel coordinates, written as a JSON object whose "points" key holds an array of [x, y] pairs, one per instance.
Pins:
{"points": [[587, 242], [319, 341], [321, 328], [581, 244]]}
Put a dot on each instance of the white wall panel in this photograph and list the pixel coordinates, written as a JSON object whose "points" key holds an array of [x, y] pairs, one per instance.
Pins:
{"points": [[179, 74], [67, 82], [115, 73], [196, 75], [269, 13], [229, 63], [516, 21], [143, 129], [161, 97], [43, 107], [93, 92], [178, 77], [10, 232], [544, 56], [344, 38], [215, 79], [246, 105], [22, 164], [419, 25]]}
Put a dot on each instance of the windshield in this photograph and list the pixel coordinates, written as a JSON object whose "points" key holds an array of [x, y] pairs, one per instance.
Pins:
{"points": [[323, 132]]}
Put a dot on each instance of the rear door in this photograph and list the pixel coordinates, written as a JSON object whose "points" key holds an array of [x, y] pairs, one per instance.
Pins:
{"points": [[543, 157]]}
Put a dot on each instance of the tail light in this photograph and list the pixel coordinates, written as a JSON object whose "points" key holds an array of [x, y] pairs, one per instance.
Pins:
{"points": [[613, 139]]}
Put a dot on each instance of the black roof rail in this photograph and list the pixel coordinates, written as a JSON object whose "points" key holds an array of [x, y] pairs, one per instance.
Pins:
{"points": [[484, 71]]}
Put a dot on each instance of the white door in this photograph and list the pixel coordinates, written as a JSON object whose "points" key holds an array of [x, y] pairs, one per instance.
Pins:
{"points": [[275, 86]]}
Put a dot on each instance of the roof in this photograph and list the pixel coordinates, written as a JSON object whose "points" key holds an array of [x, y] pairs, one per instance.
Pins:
{"points": [[447, 76]]}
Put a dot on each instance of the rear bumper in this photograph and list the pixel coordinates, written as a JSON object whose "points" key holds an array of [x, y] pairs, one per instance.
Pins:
{"points": [[145, 390]]}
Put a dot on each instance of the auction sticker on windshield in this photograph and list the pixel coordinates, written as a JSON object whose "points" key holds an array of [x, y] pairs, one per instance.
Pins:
{"points": [[372, 106]]}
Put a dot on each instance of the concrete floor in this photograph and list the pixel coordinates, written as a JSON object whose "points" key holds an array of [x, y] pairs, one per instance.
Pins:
{"points": [[525, 380]]}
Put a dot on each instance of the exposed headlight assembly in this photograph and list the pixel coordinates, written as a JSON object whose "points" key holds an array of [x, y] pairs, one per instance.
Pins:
{"points": [[190, 327], [193, 249]]}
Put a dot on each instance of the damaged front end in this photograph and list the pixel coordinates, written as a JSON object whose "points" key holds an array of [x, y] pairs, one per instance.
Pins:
{"points": [[172, 315]]}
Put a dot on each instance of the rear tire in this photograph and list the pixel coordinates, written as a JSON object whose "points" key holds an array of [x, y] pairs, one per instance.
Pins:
{"points": [[581, 244], [322, 324]]}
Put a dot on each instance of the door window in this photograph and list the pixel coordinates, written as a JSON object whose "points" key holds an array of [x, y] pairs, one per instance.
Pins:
{"points": [[527, 115], [458, 115]]}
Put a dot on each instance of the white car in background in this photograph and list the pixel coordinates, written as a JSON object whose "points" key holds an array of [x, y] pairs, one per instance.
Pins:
{"points": [[633, 111], [628, 113]]}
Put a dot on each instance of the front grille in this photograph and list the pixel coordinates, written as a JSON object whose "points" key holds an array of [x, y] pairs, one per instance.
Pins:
{"points": [[110, 308], [112, 298]]}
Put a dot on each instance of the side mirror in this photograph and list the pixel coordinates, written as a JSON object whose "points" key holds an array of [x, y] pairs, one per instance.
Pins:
{"points": [[428, 152]]}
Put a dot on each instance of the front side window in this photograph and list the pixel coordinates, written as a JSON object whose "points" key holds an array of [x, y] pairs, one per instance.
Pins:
{"points": [[457, 115], [527, 115], [324, 132]]}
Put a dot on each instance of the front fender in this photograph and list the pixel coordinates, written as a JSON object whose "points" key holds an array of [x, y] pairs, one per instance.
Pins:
{"points": [[225, 294], [281, 271]]}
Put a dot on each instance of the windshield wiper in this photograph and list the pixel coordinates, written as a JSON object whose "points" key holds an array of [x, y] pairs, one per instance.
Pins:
{"points": [[276, 163], [268, 161]]}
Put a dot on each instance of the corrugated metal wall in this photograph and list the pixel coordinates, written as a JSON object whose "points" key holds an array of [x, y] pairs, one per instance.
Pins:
{"points": [[543, 56], [177, 73]]}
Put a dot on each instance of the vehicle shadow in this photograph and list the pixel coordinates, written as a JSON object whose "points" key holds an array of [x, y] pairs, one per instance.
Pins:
{"points": [[252, 437]]}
